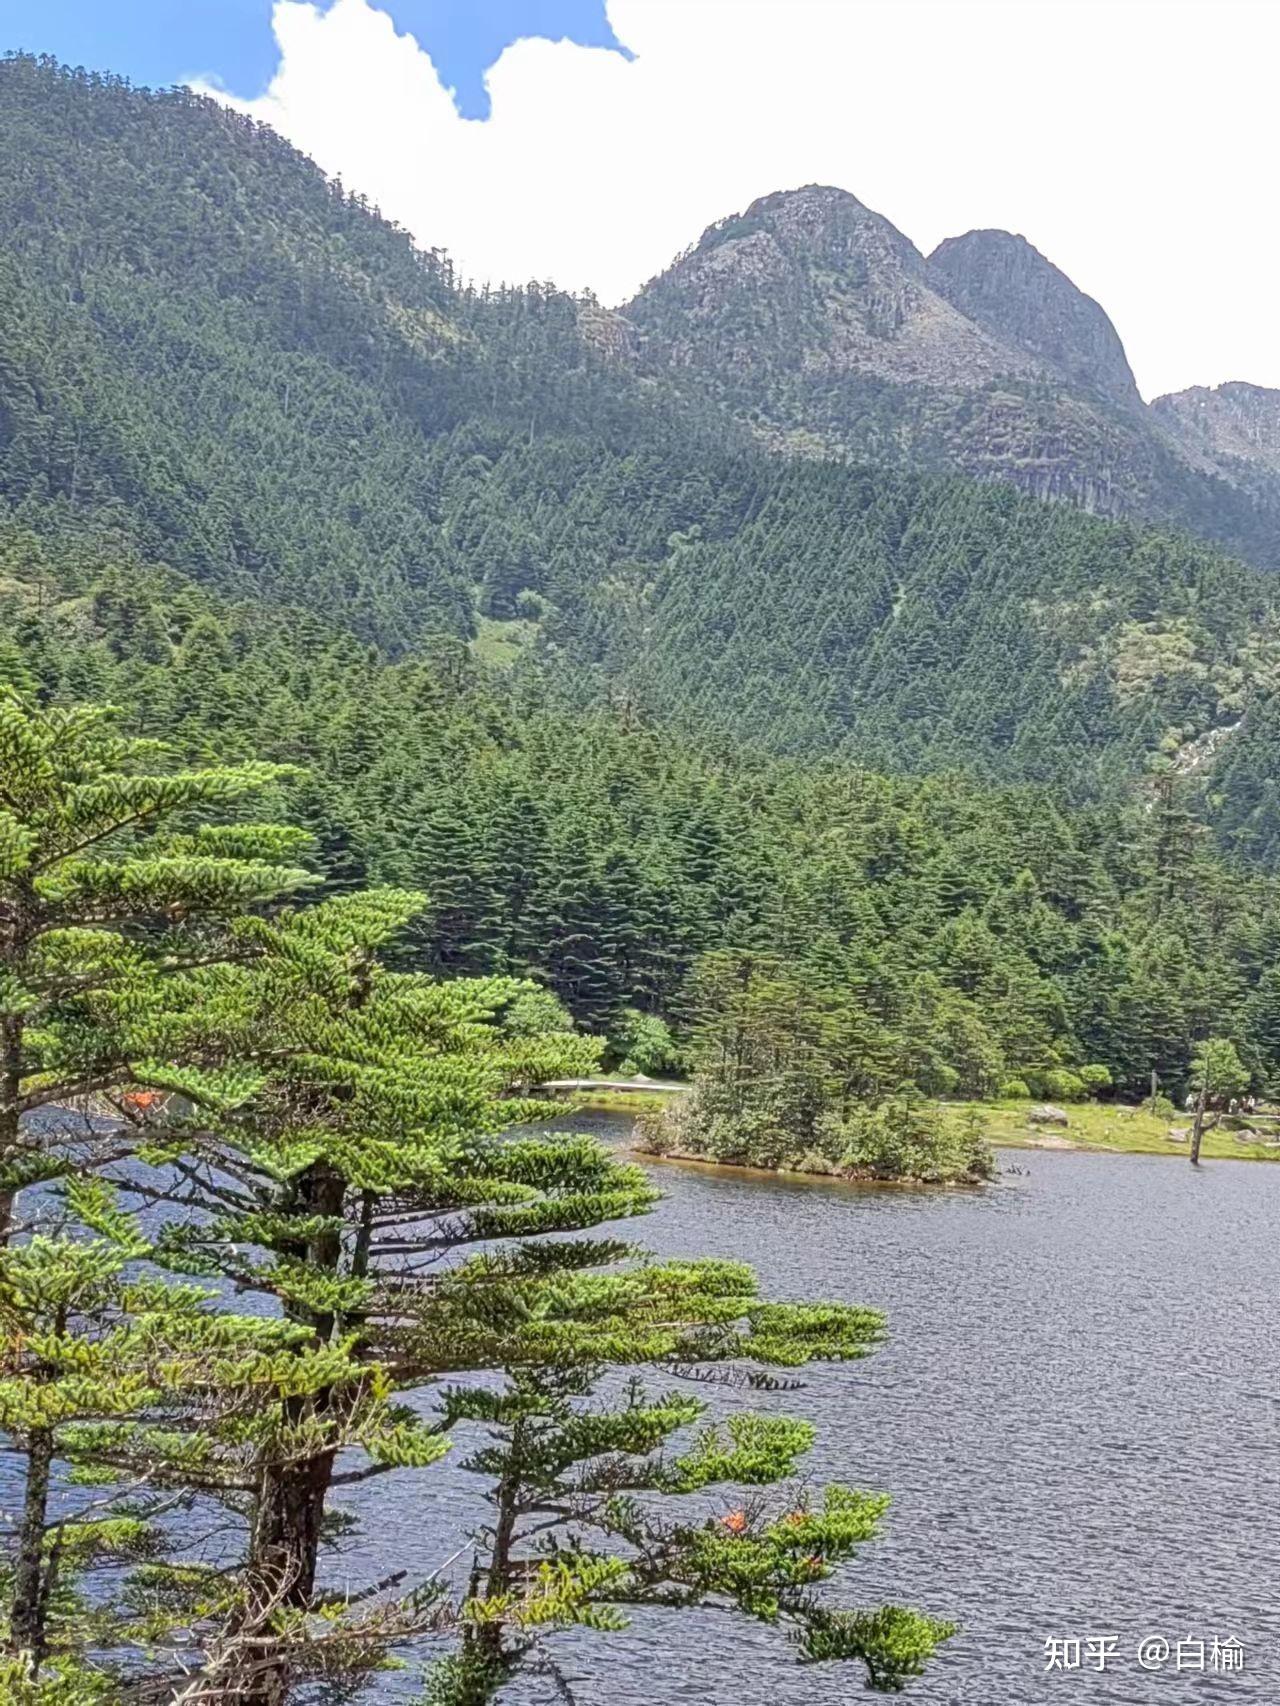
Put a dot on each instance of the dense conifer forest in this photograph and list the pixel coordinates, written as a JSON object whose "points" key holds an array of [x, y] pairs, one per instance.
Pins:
{"points": [[569, 661], [983, 933]]}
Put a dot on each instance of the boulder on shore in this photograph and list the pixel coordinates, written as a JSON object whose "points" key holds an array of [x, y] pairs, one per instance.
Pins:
{"points": [[1048, 1115]]}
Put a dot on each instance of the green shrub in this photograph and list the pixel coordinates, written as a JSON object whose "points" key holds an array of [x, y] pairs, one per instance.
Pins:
{"points": [[1015, 1090], [642, 1043], [1063, 1086], [1095, 1078], [911, 1140], [748, 1137], [902, 1139], [535, 1010], [530, 606], [940, 1080]]}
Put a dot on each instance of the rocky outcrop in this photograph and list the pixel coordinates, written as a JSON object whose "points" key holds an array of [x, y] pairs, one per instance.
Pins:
{"points": [[1048, 1115], [1231, 423], [823, 328], [610, 333], [1003, 284], [814, 282]]}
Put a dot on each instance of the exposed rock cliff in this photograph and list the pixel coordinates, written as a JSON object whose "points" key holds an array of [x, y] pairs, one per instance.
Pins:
{"points": [[815, 280], [1233, 422], [820, 325], [1006, 286]]}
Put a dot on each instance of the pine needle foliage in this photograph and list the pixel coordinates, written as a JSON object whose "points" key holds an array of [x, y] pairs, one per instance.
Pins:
{"points": [[384, 1178], [129, 1397], [106, 893], [114, 883], [581, 1487]]}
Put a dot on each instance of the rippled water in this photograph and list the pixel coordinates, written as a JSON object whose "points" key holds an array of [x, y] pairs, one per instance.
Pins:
{"points": [[1076, 1415]]}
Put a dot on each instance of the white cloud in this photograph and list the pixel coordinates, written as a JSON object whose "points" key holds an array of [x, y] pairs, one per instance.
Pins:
{"points": [[1133, 141]]}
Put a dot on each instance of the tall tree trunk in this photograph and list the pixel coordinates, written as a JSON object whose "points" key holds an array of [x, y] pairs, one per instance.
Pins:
{"points": [[28, 1616], [11, 1040], [284, 1547], [284, 1552], [485, 1646], [286, 1530], [290, 1504], [289, 1510], [1197, 1129]]}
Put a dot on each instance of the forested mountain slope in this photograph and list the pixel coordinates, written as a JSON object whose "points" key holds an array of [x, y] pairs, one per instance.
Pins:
{"points": [[212, 353], [943, 623], [212, 359], [966, 934], [816, 322]]}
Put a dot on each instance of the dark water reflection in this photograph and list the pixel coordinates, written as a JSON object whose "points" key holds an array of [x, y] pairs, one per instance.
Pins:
{"points": [[1076, 1416]]}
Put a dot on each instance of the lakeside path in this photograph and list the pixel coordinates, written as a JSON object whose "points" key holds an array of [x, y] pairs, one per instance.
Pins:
{"points": [[618, 1095], [633, 1086]]}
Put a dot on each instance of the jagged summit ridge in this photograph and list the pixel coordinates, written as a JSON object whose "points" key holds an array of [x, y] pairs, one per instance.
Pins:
{"points": [[814, 281], [1236, 421], [823, 328], [829, 223]]}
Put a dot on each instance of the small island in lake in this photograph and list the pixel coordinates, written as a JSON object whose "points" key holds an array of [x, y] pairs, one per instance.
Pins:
{"points": [[779, 1083], [906, 1139]]}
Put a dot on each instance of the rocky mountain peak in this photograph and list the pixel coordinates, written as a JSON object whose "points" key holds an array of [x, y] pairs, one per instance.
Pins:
{"points": [[823, 329], [818, 224], [1238, 421], [1007, 286], [801, 244], [813, 281]]}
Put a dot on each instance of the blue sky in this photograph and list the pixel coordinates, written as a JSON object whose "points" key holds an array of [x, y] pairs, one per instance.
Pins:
{"points": [[229, 42]]}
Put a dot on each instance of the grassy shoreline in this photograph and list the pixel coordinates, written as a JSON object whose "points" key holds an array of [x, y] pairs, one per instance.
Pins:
{"points": [[1111, 1128], [1093, 1127]]}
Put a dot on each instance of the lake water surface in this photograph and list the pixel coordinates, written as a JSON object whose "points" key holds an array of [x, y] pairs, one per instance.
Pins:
{"points": [[1076, 1414]]}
